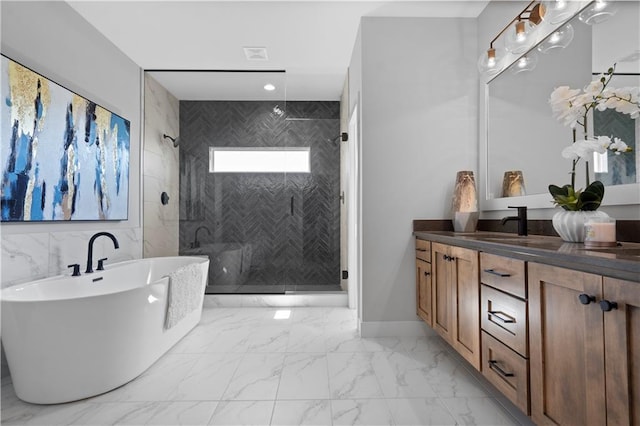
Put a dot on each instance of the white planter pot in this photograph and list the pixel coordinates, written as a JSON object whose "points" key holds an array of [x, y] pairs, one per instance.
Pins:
{"points": [[570, 224]]}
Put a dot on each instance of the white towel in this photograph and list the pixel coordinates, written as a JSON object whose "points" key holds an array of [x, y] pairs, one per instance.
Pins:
{"points": [[184, 294]]}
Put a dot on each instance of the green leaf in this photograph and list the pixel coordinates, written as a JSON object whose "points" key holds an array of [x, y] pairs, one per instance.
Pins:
{"points": [[591, 197], [564, 196]]}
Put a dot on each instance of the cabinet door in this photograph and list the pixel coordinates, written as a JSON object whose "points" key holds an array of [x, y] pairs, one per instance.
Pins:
{"points": [[441, 277], [423, 290], [566, 347], [622, 352], [466, 304]]}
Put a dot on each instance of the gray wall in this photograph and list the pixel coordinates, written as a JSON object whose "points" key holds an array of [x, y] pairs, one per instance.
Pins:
{"points": [[418, 84], [295, 251]]}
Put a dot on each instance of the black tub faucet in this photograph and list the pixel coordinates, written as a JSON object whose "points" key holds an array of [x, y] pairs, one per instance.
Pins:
{"points": [[521, 218], [90, 255], [196, 243]]}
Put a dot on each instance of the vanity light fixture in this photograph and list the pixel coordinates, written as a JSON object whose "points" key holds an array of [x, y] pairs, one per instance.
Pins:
{"points": [[521, 40], [518, 40], [599, 11], [526, 63], [559, 11], [560, 38]]}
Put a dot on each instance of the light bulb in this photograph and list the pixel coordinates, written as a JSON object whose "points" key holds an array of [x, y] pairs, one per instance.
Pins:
{"points": [[490, 63], [269, 87], [521, 39]]}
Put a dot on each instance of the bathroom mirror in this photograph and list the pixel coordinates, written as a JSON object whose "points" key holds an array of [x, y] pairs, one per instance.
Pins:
{"points": [[523, 135]]}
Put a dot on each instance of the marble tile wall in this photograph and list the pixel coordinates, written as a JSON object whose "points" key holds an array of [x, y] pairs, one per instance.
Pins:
{"points": [[27, 257], [161, 171]]}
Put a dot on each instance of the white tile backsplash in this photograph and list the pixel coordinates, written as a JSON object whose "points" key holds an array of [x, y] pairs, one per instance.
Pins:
{"points": [[26, 257]]}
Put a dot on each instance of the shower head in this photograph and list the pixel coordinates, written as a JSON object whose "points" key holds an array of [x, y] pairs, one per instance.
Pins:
{"points": [[176, 140]]}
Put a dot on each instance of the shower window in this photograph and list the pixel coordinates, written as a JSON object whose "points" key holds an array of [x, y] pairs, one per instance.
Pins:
{"points": [[259, 160]]}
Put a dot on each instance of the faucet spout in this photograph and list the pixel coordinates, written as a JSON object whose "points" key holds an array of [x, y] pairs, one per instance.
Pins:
{"points": [[521, 218], [196, 243], [90, 253]]}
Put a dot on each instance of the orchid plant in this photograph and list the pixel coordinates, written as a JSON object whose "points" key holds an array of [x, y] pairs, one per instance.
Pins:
{"points": [[572, 107]]}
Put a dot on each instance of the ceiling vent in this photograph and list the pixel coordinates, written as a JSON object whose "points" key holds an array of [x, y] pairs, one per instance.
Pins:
{"points": [[255, 53]]}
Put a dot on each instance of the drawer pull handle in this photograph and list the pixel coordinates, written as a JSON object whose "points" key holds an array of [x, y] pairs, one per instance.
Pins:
{"points": [[426, 274], [507, 319], [493, 272], [421, 249], [495, 367]]}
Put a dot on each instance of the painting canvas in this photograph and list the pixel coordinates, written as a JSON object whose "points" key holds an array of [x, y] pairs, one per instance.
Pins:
{"points": [[64, 158]]}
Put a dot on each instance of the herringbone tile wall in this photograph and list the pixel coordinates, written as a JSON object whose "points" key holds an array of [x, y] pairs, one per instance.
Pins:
{"points": [[621, 168], [287, 251]]}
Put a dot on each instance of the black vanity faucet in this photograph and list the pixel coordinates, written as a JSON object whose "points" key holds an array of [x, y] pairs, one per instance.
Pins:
{"points": [[90, 255], [521, 218]]}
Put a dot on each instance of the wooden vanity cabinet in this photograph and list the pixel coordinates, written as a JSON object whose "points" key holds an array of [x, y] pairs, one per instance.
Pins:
{"points": [[503, 317], [585, 358], [423, 281], [622, 351], [456, 299]]}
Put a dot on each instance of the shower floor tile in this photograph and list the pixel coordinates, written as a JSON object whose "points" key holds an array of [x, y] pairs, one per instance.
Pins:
{"points": [[243, 366]]}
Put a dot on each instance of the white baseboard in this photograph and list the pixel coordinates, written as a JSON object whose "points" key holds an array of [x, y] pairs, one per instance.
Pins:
{"points": [[394, 329]]}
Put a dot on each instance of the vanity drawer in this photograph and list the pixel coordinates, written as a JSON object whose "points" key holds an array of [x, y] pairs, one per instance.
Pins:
{"points": [[503, 273], [423, 250], [506, 370], [505, 318]]}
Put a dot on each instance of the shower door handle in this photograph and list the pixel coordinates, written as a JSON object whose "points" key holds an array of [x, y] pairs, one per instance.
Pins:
{"points": [[292, 205]]}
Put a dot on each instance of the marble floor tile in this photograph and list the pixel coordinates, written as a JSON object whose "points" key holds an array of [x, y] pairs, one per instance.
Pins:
{"points": [[419, 411], [351, 376], [303, 412], [232, 413], [182, 413], [401, 376], [208, 378], [306, 337], [478, 411], [256, 378], [271, 338], [243, 366], [368, 412], [304, 376]]}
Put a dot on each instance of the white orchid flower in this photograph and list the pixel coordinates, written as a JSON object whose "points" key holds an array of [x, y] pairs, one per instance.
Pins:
{"points": [[585, 148], [619, 146]]}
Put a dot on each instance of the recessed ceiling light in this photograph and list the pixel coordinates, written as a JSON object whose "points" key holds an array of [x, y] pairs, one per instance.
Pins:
{"points": [[255, 53], [269, 87]]}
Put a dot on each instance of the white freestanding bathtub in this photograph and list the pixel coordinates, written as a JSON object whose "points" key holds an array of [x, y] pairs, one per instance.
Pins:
{"points": [[68, 338]]}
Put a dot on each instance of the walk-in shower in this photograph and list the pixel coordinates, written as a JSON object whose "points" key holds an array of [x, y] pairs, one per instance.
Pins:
{"points": [[267, 228]]}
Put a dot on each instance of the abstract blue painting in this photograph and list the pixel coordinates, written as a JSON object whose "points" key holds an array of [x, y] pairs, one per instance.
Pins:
{"points": [[63, 157]]}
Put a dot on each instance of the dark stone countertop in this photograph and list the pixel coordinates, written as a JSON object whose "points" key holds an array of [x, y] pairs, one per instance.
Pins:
{"points": [[621, 262]]}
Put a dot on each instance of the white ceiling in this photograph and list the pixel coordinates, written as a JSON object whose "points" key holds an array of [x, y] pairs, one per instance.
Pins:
{"points": [[311, 40]]}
